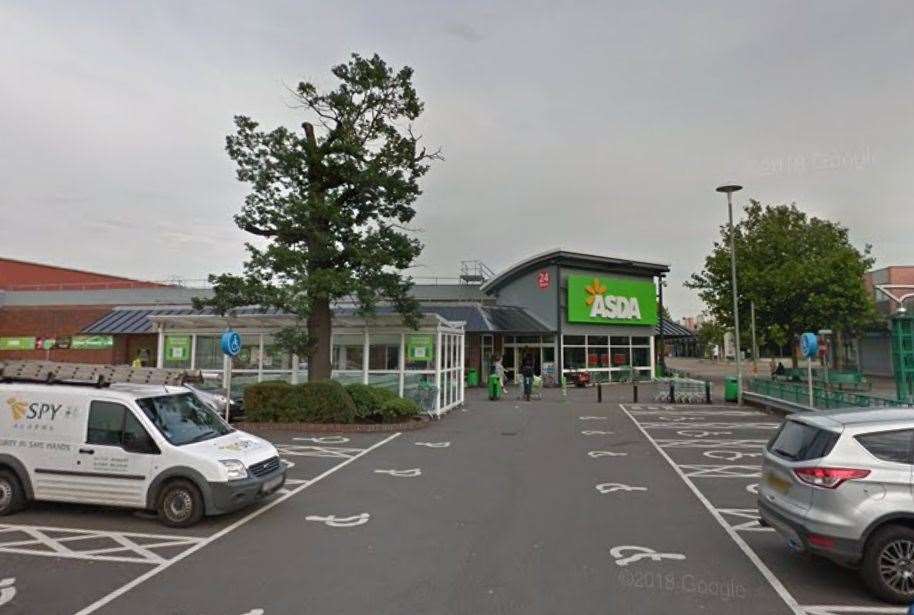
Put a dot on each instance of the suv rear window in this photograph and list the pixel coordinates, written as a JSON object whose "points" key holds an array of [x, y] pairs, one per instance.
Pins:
{"points": [[798, 441], [889, 445]]}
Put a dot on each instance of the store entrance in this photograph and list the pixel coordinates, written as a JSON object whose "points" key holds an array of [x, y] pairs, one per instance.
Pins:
{"points": [[541, 348]]}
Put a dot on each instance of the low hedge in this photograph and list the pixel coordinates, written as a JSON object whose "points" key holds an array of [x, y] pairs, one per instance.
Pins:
{"points": [[399, 409], [312, 402], [263, 400], [368, 400]]}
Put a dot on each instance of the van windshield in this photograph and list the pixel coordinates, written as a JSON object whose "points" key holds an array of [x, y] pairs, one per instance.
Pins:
{"points": [[183, 419]]}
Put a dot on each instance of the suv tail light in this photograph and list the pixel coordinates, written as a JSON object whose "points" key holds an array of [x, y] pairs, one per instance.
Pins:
{"points": [[829, 478]]}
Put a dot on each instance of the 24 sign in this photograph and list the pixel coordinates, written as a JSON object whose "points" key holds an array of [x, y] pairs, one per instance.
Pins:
{"points": [[542, 280]]}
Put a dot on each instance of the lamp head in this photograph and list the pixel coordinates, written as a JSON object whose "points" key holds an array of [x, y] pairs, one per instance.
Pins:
{"points": [[728, 188]]}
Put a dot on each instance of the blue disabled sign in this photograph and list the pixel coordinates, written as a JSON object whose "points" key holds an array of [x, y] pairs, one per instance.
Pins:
{"points": [[809, 344], [231, 343]]}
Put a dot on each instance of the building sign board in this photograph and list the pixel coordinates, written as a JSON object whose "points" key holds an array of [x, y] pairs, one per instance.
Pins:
{"points": [[91, 342], [611, 301], [419, 348], [17, 343], [177, 348]]}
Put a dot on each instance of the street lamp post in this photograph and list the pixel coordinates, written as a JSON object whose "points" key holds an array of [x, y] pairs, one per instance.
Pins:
{"points": [[729, 189]]}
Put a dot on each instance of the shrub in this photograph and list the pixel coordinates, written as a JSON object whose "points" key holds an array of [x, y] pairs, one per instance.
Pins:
{"points": [[263, 401], [313, 402], [398, 409], [320, 402], [368, 400]]}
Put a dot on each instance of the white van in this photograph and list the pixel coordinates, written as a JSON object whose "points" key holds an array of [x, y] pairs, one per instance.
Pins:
{"points": [[139, 446]]}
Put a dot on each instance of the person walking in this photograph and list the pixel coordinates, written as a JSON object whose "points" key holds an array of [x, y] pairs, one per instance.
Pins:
{"points": [[496, 377], [527, 368]]}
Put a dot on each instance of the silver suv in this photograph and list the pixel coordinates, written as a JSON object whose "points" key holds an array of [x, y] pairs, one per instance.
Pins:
{"points": [[838, 483]]}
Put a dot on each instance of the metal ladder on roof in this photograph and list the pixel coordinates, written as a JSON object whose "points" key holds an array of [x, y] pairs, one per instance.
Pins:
{"points": [[475, 272], [90, 374]]}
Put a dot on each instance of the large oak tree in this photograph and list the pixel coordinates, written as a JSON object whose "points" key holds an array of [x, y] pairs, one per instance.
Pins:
{"points": [[330, 200]]}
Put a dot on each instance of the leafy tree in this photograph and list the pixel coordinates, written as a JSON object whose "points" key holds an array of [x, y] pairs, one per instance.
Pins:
{"points": [[777, 336], [710, 333], [329, 203], [802, 273], [665, 313]]}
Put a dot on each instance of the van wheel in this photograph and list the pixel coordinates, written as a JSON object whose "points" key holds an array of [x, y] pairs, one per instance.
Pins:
{"points": [[12, 497], [180, 504], [888, 564]]}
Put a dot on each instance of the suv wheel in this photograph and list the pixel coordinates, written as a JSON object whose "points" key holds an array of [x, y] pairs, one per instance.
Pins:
{"points": [[180, 504], [888, 564], [12, 498]]}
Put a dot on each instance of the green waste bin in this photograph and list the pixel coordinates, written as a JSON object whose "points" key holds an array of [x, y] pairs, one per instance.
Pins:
{"points": [[731, 389], [494, 387], [472, 377]]}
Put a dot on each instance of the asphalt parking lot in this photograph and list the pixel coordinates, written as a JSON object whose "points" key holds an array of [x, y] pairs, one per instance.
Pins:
{"points": [[558, 506]]}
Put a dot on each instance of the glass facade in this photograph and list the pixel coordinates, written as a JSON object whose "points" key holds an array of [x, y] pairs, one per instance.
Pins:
{"points": [[407, 363], [607, 358]]}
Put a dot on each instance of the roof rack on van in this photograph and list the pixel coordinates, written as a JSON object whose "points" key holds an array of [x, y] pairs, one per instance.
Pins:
{"points": [[52, 372]]}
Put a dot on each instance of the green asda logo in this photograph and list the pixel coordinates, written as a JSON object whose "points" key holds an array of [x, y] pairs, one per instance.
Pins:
{"points": [[611, 301]]}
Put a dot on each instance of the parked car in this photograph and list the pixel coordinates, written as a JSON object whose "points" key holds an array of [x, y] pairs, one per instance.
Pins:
{"points": [[137, 446], [838, 484], [213, 395]]}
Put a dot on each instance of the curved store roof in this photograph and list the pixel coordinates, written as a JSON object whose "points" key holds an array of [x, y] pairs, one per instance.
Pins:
{"points": [[566, 258]]}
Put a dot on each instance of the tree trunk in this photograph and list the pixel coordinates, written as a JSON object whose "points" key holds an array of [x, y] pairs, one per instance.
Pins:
{"points": [[319, 324], [839, 350], [794, 354]]}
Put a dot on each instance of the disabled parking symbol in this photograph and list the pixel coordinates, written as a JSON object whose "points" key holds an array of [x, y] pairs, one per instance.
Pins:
{"points": [[605, 488], [411, 473], [334, 521], [324, 440], [729, 455], [640, 553], [7, 590]]}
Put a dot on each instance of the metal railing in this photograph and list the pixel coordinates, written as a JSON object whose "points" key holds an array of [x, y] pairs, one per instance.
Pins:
{"points": [[823, 398]]}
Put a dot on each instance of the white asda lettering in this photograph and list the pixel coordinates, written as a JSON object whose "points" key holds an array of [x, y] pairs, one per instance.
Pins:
{"points": [[612, 306]]}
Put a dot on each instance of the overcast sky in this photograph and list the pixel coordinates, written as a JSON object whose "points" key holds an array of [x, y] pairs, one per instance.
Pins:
{"points": [[595, 126]]}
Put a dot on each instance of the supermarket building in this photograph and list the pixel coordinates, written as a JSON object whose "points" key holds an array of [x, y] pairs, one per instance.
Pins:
{"points": [[569, 310]]}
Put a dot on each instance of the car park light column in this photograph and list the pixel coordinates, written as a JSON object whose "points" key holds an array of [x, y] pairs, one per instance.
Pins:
{"points": [[729, 189]]}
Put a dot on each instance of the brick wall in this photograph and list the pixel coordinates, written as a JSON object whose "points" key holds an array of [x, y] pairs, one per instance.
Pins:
{"points": [[20, 274], [55, 321]]}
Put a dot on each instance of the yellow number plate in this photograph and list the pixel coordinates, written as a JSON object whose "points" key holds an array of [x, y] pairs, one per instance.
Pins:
{"points": [[777, 483]]}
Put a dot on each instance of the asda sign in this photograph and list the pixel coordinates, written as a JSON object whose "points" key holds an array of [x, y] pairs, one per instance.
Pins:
{"points": [[611, 301]]}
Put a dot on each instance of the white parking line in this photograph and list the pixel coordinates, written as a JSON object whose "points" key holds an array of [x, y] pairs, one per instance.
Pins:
{"points": [[723, 471], [775, 583], [225, 531], [305, 450], [84, 544], [824, 609], [708, 443], [710, 425], [751, 517]]}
